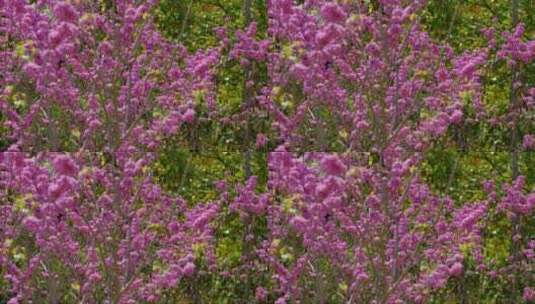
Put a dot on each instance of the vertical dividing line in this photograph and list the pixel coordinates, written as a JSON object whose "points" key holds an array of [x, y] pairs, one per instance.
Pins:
{"points": [[246, 104], [247, 14], [515, 172], [513, 100]]}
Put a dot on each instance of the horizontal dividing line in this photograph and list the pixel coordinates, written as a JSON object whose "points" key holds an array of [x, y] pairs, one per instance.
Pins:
{"points": [[137, 152], [262, 151]]}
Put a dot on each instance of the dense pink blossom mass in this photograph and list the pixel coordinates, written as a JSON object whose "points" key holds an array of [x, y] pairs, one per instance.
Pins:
{"points": [[104, 90]]}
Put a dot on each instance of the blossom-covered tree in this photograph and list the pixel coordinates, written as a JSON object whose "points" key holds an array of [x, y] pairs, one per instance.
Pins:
{"points": [[357, 94], [89, 95]]}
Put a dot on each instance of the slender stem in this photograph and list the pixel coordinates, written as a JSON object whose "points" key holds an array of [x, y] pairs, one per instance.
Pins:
{"points": [[185, 20]]}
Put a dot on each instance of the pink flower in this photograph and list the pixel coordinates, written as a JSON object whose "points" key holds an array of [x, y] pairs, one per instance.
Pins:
{"points": [[261, 294], [286, 6], [362, 276], [261, 140], [13, 301], [188, 269], [469, 69], [529, 294], [456, 116], [528, 142], [328, 34], [63, 164], [281, 300], [55, 37], [105, 48], [202, 67], [66, 12], [362, 125], [456, 269], [95, 277], [299, 223], [299, 71], [332, 165], [31, 69], [189, 115], [32, 223], [332, 12]]}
